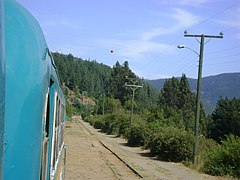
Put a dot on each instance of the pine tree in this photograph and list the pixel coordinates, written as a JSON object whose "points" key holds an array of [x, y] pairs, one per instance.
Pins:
{"points": [[225, 119]]}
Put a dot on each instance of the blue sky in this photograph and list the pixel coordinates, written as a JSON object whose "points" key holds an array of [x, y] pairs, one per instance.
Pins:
{"points": [[144, 32]]}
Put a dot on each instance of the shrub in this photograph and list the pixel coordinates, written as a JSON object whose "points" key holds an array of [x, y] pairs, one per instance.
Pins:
{"points": [[224, 159], [137, 135], [204, 146], [124, 128], [172, 144], [98, 123], [90, 119], [115, 123], [107, 123]]}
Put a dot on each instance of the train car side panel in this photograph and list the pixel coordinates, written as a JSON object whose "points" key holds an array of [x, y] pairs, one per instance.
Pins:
{"points": [[27, 79], [34, 105], [2, 85]]}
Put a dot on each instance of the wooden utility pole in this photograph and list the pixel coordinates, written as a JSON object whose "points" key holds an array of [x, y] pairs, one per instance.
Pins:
{"points": [[197, 114], [134, 86]]}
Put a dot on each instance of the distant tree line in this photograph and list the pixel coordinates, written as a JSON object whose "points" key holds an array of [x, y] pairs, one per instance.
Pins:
{"points": [[98, 80], [85, 75]]}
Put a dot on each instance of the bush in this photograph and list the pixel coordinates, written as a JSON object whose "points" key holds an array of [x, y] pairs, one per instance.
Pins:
{"points": [[224, 159], [116, 123], [98, 124], [173, 144], [124, 128], [90, 119], [107, 123], [204, 146], [136, 136]]}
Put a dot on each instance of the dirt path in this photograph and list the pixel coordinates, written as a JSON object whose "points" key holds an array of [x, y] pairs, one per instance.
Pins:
{"points": [[87, 158]]}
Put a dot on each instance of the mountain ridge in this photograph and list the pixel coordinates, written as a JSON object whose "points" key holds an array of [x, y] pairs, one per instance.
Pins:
{"points": [[212, 88]]}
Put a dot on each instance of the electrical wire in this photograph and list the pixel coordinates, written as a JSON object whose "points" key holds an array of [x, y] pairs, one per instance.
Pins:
{"points": [[233, 55], [224, 50], [223, 62], [216, 14]]}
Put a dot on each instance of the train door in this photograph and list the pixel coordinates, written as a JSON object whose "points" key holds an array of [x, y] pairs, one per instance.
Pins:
{"points": [[44, 164]]}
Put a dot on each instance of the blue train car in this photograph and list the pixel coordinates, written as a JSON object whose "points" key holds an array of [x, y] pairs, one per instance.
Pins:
{"points": [[32, 102]]}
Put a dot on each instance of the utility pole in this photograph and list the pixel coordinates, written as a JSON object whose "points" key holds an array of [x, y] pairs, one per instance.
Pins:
{"points": [[197, 115], [134, 86]]}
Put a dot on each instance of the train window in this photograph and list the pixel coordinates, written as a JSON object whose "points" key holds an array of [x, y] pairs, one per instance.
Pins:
{"points": [[46, 120], [53, 156], [58, 128]]}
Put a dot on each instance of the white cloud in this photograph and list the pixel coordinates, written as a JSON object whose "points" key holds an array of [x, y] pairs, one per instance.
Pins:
{"points": [[179, 19], [135, 50], [138, 49], [184, 19], [155, 32]]}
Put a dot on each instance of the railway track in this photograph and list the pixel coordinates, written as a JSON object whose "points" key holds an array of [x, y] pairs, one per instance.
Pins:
{"points": [[111, 151], [100, 154]]}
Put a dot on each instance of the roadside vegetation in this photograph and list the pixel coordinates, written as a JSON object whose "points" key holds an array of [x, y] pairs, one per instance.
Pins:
{"points": [[163, 122]]}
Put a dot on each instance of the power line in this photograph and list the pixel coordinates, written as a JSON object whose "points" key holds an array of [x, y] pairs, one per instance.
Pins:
{"points": [[223, 50], [229, 29], [233, 55], [223, 62], [214, 15]]}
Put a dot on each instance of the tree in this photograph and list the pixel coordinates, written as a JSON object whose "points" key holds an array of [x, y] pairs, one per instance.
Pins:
{"points": [[169, 95], [117, 80], [225, 119], [187, 102], [176, 94]]}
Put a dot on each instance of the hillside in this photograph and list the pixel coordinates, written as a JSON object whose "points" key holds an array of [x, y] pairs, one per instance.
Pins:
{"points": [[88, 78], [212, 88], [93, 79]]}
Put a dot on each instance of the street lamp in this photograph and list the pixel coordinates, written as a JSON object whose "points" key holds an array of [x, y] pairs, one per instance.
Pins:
{"points": [[197, 114], [202, 36], [183, 46]]}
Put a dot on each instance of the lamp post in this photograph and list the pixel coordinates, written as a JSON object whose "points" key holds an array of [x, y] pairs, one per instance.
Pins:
{"points": [[197, 114]]}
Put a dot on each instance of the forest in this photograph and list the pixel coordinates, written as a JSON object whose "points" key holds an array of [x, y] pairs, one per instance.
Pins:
{"points": [[162, 121]]}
